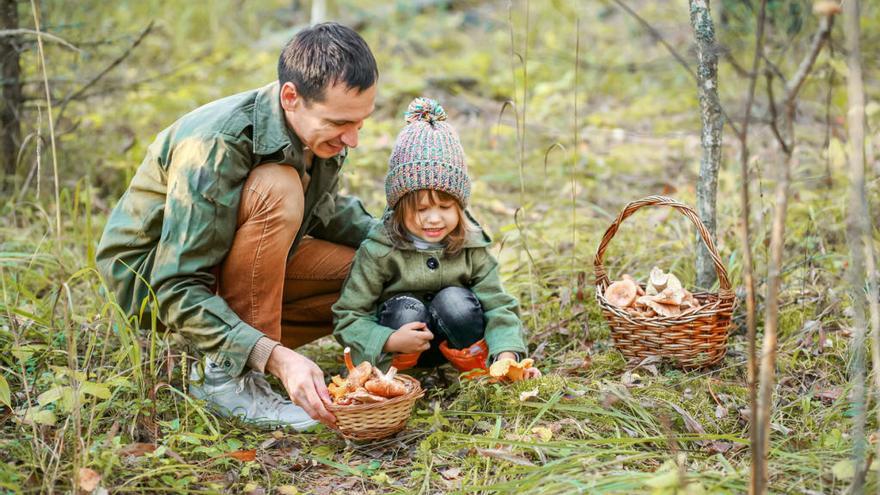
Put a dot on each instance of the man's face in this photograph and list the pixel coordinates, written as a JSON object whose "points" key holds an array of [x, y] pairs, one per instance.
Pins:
{"points": [[327, 126]]}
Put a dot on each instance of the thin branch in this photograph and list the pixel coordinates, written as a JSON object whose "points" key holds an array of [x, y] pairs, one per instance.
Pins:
{"points": [[774, 116], [739, 69], [659, 38], [106, 70], [51, 127], [794, 85], [774, 68], [39, 34], [758, 466]]}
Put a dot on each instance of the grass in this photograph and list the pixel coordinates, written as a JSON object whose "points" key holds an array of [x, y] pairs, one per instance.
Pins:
{"points": [[85, 386]]}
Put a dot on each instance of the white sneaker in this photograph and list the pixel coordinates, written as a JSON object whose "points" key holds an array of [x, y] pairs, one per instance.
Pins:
{"points": [[249, 397]]}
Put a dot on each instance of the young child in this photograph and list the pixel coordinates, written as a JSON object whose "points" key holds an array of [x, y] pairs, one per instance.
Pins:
{"points": [[423, 287]]}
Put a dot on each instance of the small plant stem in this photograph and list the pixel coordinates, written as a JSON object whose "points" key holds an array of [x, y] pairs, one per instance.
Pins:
{"points": [[858, 232], [746, 246], [51, 124], [774, 267]]}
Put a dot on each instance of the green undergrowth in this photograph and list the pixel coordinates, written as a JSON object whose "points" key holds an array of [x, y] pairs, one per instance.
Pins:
{"points": [[82, 388]]}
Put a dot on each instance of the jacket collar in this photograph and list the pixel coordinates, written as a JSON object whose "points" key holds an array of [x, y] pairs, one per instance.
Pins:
{"points": [[270, 128]]}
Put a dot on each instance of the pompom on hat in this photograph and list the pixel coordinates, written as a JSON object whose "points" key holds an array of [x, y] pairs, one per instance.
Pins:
{"points": [[427, 155]]}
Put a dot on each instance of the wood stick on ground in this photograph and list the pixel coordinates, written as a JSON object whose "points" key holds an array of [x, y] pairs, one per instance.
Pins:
{"points": [[767, 372]]}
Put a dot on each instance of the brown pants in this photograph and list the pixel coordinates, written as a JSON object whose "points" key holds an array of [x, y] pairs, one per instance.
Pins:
{"points": [[287, 299]]}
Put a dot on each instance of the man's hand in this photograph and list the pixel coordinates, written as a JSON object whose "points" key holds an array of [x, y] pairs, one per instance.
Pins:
{"points": [[412, 337], [304, 382]]}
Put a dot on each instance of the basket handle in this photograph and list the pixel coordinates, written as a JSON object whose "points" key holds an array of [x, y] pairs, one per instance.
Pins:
{"points": [[599, 268]]}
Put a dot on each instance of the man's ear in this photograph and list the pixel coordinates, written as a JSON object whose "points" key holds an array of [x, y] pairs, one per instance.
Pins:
{"points": [[289, 96]]}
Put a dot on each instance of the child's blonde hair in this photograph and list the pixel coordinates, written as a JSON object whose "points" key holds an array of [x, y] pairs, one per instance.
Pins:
{"points": [[409, 205]]}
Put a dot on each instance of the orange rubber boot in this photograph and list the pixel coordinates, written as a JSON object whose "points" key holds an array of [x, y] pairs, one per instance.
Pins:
{"points": [[405, 361], [470, 358]]}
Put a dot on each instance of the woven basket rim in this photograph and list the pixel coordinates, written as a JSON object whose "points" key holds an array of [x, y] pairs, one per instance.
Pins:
{"points": [[412, 395], [660, 321]]}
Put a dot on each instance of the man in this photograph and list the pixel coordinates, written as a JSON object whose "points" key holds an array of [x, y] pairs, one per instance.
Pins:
{"points": [[234, 222]]}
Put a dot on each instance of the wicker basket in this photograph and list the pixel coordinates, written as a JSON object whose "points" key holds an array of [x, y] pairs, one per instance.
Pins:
{"points": [[694, 339], [379, 420]]}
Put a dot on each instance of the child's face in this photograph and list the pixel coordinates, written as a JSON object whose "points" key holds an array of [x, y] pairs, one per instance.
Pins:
{"points": [[432, 222]]}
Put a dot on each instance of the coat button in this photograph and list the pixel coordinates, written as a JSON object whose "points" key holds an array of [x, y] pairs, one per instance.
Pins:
{"points": [[432, 263]]}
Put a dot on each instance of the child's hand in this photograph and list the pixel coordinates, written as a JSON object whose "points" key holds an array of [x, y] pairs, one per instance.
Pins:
{"points": [[528, 373], [412, 337]]}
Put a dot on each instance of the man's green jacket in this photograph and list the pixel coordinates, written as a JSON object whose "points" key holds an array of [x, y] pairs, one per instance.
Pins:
{"points": [[178, 217]]}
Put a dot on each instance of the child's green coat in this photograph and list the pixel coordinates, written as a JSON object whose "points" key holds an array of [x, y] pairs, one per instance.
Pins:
{"points": [[381, 270]]}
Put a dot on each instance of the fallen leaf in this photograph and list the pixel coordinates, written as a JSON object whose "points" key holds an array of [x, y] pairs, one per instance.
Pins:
{"points": [[5, 394], [719, 447], [505, 455], [543, 433], [528, 394], [720, 412], [287, 490], [254, 489], [88, 480], [451, 473], [137, 449], [844, 469], [244, 455], [829, 395], [690, 423]]}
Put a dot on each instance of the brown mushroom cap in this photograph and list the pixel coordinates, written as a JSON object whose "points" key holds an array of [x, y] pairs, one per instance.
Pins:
{"points": [[659, 308], [639, 290], [670, 296], [621, 293]]}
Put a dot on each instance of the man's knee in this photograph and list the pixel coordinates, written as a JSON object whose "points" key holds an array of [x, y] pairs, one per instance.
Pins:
{"points": [[278, 188]]}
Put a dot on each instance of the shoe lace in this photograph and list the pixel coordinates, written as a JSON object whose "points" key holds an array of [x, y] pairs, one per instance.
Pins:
{"points": [[261, 390]]}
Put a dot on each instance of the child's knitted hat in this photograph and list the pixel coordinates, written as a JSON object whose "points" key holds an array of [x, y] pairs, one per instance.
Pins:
{"points": [[427, 155]]}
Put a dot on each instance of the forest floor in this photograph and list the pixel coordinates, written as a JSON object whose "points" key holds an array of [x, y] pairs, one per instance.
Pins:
{"points": [[593, 423]]}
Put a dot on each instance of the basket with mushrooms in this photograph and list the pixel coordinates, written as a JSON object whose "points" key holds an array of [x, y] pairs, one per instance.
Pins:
{"points": [[370, 404], [663, 295], [663, 318]]}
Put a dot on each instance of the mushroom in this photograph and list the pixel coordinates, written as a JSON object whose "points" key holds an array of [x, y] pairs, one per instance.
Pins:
{"points": [[621, 293], [639, 290], [656, 281], [670, 296], [356, 375], [337, 388], [659, 308], [384, 384], [509, 370], [363, 396], [689, 300]]}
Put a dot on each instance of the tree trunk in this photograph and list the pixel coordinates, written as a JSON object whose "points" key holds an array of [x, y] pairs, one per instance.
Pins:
{"points": [[858, 231], [710, 112], [11, 101], [319, 12]]}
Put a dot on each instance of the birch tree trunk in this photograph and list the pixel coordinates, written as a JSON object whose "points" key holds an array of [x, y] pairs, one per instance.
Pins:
{"points": [[710, 137], [858, 230], [10, 89]]}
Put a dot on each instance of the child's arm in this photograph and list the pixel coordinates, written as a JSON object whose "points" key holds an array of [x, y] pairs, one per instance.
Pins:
{"points": [[354, 314], [500, 309]]}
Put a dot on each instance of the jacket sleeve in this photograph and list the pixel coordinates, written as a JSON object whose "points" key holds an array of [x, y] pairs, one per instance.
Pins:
{"points": [[504, 330], [346, 221], [354, 314], [205, 177]]}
